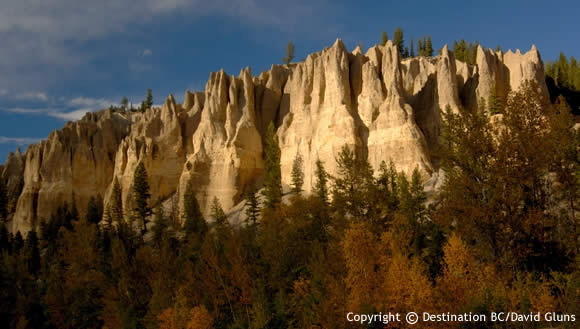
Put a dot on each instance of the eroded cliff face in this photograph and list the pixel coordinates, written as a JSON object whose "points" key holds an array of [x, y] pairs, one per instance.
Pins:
{"points": [[382, 106]]}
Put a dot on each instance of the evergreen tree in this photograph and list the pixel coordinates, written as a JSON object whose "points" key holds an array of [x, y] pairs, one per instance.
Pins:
{"points": [[562, 71], [297, 174], [32, 253], [149, 99], [495, 103], [289, 53], [115, 209], [429, 47], [4, 239], [399, 41], [384, 38], [321, 185], [406, 52], [95, 210], [420, 47], [3, 201], [412, 51], [217, 213], [125, 104], [193, 222], [17, 242], [141, 195], [272, 172], [252, 205], [159, 224]]}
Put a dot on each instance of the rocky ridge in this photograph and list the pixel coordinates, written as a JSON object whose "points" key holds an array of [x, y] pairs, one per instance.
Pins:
{"points": [[382, 106]]}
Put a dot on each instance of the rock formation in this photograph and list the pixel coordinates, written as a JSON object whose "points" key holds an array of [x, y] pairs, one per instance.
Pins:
{"points": [[382, 106]]}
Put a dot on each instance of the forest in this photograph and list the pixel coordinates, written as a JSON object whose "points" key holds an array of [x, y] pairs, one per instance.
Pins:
{"points": [[500, 235]]}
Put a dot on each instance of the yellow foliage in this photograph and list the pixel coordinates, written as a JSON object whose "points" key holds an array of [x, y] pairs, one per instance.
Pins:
{"points": [[360, 254], [200, 318]]}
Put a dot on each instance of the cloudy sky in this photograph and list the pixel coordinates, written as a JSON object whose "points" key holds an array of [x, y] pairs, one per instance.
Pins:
{"points": [[62, 58]]}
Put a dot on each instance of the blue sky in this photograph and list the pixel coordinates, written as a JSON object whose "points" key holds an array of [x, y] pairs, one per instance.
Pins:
{"points": [[61, 58]]}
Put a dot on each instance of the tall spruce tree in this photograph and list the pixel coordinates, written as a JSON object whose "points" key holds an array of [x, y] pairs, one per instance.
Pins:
{"points": [[420, 47], [193, 221], [297, 174], [115, 210], [495, 103], [321, 184], [429, 47], [252, 205], [141, 195], [412, 49], [95, 210], [273, 174], [384, 38], [399, 41], [289, 53], [149, 99]]}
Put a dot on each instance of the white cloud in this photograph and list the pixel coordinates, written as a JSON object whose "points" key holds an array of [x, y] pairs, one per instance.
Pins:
{"points": [[19, 140], [146, 52], [32, 96], [70, 110], [90, 102]]}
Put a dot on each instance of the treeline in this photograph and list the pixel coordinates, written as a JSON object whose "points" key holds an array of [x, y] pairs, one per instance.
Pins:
{"points": [[501, 235], [424, 45]]}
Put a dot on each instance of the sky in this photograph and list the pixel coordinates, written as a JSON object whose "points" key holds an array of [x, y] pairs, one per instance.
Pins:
{"points": [[62, 58]]}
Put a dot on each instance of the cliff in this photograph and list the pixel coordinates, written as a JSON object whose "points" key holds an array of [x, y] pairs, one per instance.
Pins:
{"points": [[384, 107]]}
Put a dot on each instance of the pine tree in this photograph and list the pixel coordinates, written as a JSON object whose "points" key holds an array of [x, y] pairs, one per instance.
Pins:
{"points": [[289, 53], [149, 100], [399, 41], [115, 209], [3, 201], [217, 213], [125, 104], [141, 195], [193, 222], [494, 102], [412, 51], [429, 47], [159, 224], [252, 205], [95, 210], [297, 174], [420, 47], [384, 38], [562, 71], [32, 253], [272, 172], [321, 185]]}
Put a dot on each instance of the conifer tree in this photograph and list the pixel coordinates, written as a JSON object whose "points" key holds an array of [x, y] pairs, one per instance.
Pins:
{"points": [[32, 253], [297, 174], [272, 172], [399, 41], [95, 210], [420, 47], [217, 213], [412, 51], [384, 38], [159, 224], [429, 47], [149, 100], [141, 195], [289, 53], [252, 205], [321, 184], [125, 104], [193, 222], [115, 209], [495, 103]]}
